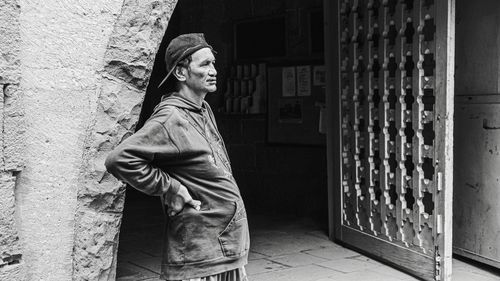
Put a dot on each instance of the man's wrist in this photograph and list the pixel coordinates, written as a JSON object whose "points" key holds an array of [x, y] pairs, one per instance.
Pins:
{"points": [[174, 187]]}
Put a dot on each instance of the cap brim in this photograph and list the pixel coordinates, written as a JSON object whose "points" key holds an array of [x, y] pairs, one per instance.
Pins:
{"points": [[166, 77]]}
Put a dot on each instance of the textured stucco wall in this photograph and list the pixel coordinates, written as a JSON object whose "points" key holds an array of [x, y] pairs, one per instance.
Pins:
{"points": [[11, 135], [128, 63], [84, 68], [63, 45]]}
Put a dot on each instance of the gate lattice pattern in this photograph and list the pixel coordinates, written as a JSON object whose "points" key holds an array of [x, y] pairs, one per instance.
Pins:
{"points": [[387, 56]]}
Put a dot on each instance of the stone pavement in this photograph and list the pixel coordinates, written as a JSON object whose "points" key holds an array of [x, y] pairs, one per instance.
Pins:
{"points": [[282, 250]]}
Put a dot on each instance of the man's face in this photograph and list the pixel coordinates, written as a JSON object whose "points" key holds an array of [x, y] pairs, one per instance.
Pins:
{"points": [[201, 75]]}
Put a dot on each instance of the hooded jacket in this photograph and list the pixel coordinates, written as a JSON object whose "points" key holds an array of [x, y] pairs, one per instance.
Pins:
{"points": [[180, 144]]}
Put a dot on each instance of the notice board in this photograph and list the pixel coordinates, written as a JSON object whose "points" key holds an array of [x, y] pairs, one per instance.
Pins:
{"points": [[296, 97]]}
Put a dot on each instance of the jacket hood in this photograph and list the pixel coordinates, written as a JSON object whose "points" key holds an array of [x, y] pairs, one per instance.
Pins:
{"points": [[174, 99]]}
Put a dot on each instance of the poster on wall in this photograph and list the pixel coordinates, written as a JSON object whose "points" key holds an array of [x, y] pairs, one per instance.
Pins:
{"points": [[288, 78], [294, 119], [290, 111], [304, 80], [319, 75]]}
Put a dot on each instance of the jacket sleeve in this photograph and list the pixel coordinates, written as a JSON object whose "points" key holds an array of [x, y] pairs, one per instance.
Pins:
{"points": [[131, 161]]}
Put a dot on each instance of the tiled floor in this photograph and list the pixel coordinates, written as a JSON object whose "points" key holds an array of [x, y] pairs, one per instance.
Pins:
{"points": [[282, 250]]}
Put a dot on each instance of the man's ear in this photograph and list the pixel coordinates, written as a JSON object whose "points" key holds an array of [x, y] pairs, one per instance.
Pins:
{"points": [[180, 73]]}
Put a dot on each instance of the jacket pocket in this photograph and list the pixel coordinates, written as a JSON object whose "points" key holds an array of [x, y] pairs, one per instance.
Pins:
{"points": [[234, 239], [193, 236]]}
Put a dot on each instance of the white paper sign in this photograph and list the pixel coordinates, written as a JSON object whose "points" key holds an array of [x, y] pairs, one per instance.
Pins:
{"points": [[289, 81], [304, 80], [319, 75]]}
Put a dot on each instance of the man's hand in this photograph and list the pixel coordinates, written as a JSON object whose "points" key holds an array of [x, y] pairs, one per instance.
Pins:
{"points": [[176, 202]]}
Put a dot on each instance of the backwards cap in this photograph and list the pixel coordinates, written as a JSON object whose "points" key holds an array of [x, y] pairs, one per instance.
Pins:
{"points": [[180, 48]]}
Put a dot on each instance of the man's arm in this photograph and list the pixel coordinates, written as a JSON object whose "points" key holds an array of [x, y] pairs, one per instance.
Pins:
{"points": [[130, 162]]}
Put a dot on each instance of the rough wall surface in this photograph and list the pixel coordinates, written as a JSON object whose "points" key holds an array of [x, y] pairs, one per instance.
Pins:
{"points": [[11, 144], [82, 67], [62, 45], [128, 63]]}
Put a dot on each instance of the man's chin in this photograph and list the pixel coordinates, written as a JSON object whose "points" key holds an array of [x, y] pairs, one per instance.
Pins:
{"points": [[212, 89]]}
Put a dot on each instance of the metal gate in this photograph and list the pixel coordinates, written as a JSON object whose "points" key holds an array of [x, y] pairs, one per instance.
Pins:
{"points": [[394, 61]]}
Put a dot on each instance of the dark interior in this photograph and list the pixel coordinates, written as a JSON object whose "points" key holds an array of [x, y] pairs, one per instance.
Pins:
{"points": [[281, 176]]}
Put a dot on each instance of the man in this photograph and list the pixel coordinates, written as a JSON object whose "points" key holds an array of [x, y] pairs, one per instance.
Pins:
{"points": [[179, 155]]}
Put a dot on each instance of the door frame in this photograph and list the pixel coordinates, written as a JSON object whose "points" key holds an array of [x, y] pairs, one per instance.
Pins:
{"points": [[333, 145]]}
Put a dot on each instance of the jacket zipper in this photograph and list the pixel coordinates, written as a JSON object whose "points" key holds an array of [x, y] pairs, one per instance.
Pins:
{"points": [[202, 129]]}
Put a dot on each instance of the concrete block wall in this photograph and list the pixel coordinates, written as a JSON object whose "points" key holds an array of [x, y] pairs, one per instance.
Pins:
{"points": [[281, 179]]}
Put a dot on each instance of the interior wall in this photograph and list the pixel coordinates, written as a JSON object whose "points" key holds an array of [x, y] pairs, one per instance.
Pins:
{"points": [[288, 179], [477, 47], [273, 178], [215, 19], [476, 210]]}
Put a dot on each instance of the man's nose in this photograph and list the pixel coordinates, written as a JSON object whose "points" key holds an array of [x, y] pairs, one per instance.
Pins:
{"points": [[212, 71]]}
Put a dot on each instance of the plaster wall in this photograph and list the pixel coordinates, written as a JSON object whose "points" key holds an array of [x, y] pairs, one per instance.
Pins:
{"points": [[11, 135], [63, 45], [128, 64], [83, 67]]}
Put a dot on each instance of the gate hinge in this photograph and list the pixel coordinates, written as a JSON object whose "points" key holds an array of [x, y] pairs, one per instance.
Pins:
{"points": [[439, 224], [437, 259], [440, 181]]}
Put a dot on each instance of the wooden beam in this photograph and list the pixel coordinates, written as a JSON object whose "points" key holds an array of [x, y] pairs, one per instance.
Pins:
{"points": [[333, 117]]}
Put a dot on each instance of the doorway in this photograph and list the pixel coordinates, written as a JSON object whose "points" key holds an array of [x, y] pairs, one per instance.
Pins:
{"points": [[279, 162], [283, 181]]}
